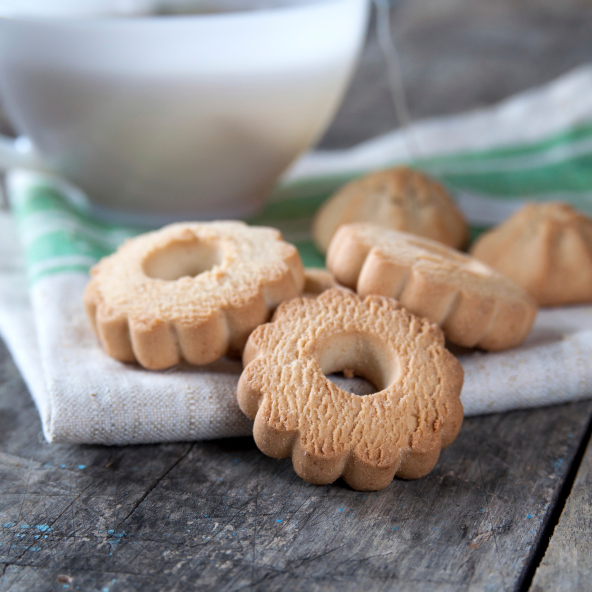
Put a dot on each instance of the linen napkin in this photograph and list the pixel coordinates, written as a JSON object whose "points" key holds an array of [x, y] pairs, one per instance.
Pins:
{"points": [[535, 146]]}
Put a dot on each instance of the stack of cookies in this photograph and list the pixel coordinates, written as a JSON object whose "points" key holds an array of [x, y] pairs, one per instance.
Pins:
{"points": [[394, 293]]}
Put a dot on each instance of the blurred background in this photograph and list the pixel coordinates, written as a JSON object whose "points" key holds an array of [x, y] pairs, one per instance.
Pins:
{"points": [[458, 55], [462, 54]]}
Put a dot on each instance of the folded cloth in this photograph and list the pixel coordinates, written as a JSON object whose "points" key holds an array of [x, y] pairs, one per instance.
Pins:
{"points": [[537, 145]]}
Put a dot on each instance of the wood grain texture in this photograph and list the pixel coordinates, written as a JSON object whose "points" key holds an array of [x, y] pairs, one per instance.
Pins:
{"points": [[221, 516], [567, 564]]}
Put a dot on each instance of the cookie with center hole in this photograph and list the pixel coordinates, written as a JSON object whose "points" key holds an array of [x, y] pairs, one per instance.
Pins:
{"points": [[190, 291], [475, 305], [330, 433]]}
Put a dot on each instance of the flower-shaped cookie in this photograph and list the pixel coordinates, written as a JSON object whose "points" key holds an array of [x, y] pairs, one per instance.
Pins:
{"points": [[329, 432], [190, 291], [475, 305], [546, 249], [399, 198]]}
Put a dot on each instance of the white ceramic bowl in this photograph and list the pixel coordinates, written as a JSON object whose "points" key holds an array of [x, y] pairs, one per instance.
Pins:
{"points": [[191, 116]]}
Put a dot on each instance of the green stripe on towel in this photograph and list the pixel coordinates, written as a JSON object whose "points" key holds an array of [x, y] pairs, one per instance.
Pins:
{"points": [[60, 236]]}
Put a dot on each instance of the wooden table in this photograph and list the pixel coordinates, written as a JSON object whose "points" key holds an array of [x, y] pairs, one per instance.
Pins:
{"points": [[508, 506]]}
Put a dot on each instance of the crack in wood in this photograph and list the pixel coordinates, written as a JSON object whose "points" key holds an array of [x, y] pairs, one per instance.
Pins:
{"points": [[19, 558], [556, 511], [255, 534], [18, 516], [155, 484], [495, 542]]}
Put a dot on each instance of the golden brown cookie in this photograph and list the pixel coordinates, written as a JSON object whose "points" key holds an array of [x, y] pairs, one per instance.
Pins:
{"points": [[190, 291], [317, 280], [400, 199], [330, 433], [475, 305], [545, 248]]}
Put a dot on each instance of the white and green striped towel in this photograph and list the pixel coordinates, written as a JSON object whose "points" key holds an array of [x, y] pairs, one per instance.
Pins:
{"points": [[535, 146]]}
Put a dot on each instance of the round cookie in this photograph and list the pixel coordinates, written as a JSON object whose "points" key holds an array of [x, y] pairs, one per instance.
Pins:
{"points": [[400, 199], [329, 432], [475, 305], [190, 291], [547, 249]]}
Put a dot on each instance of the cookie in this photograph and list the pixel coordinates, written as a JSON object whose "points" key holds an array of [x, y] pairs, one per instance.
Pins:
{"points": [[400, 199], [330, 433], [317, 280], [191, 291], [475, 305], [547, 249]]}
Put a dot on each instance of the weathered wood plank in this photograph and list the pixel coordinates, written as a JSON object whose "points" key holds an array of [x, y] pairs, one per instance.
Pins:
{"points": [[567, 564], [221, 516]]}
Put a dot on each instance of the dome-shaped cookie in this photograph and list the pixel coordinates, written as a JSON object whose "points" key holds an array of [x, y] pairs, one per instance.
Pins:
{"points": [[191, 291], [547, 249], [475, 305], [400, 199], [329, 432]]}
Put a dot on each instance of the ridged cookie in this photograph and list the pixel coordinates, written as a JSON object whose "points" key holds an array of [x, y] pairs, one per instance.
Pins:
{"points": [[330, 433], [190, 291], [400, 199], [475, 305], [546, 249]]}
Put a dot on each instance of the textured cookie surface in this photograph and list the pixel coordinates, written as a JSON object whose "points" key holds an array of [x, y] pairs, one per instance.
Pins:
{"points": [[545, 248], [330, 433], [475, 305], [190, 291], [400, 199]]}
